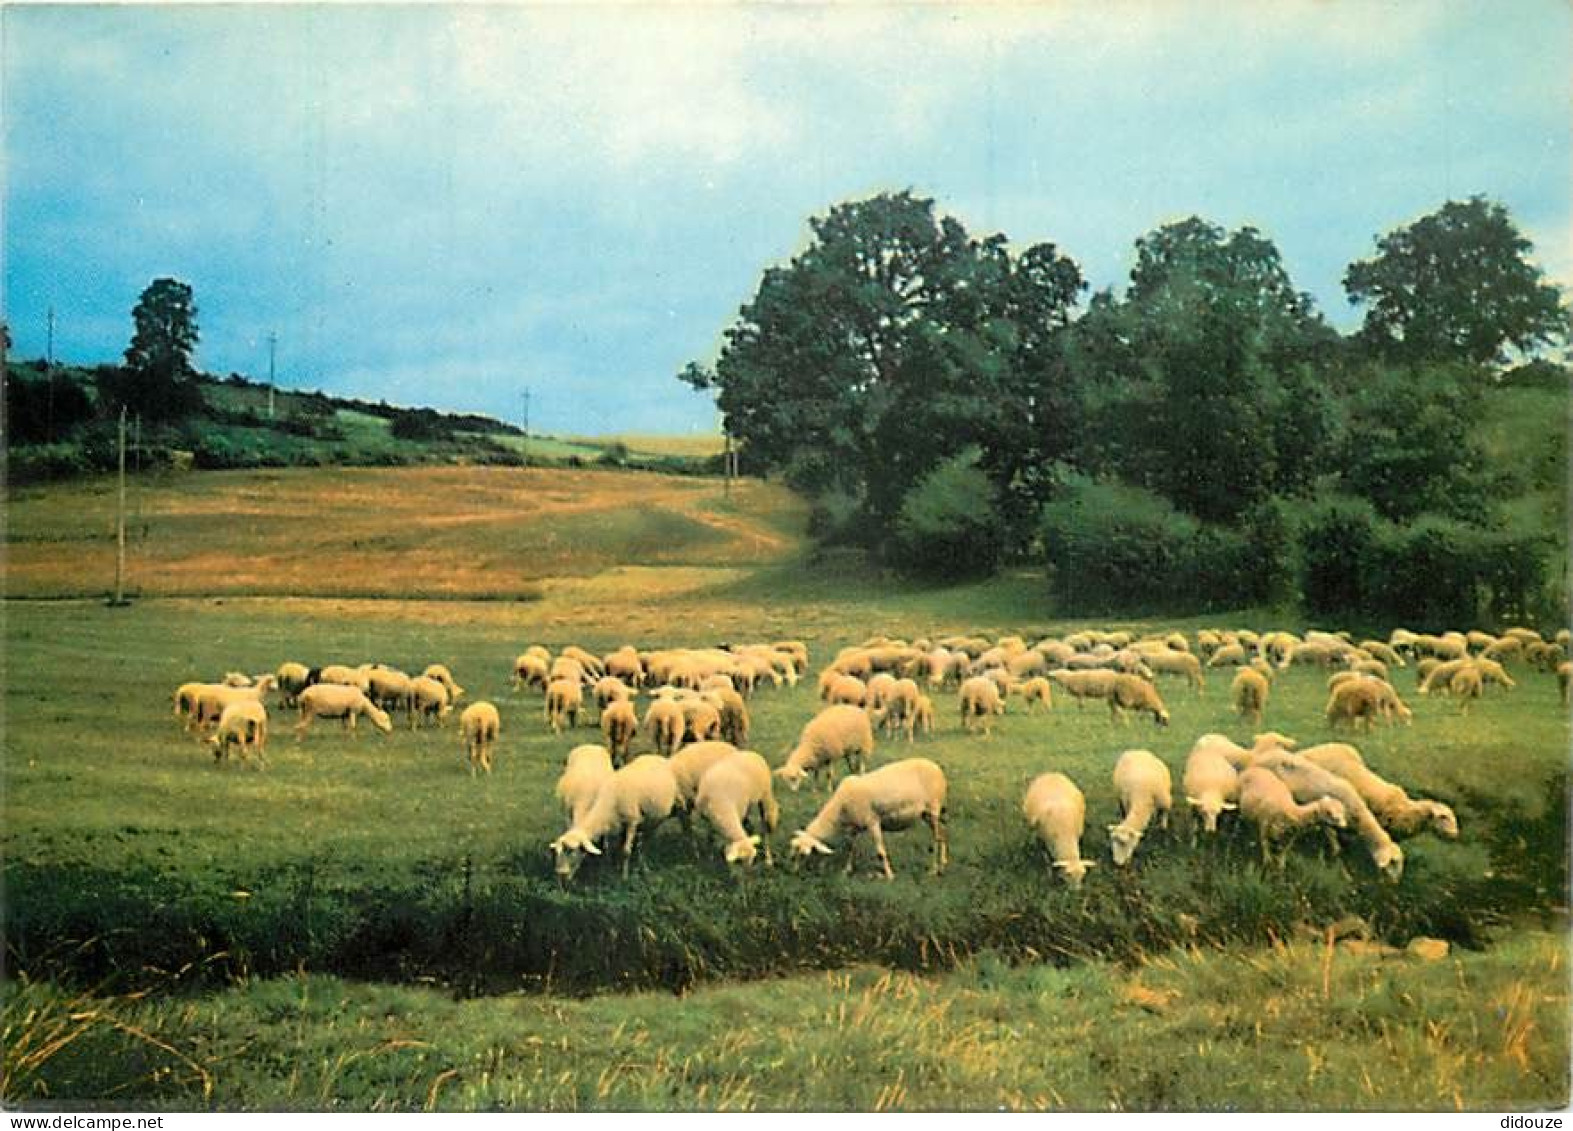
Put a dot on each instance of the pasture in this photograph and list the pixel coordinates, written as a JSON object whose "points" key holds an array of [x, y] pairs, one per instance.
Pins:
{"points": [[341, 901]]}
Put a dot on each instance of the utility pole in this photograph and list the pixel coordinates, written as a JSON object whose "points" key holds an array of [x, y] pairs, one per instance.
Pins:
{"points": [[49, 372], [273, 341], [120, 523], [726, 464], [525, 397]]}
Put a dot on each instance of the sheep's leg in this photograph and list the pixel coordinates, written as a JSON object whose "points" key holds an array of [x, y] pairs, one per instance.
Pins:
{"points": [[765, 829], [941, 846], [628, 845], [879, 848]]}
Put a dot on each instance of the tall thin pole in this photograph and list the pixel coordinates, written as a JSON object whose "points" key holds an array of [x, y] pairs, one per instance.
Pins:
{"points": [[726, 465], [525, 398], [120, 520], [49, 356], [273, 341]]}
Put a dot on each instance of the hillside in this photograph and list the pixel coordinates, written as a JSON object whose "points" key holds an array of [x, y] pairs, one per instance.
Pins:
{"points": [[61, 432]]}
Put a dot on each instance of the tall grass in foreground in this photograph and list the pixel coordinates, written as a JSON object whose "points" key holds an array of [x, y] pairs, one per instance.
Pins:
{"points": [[1305, 1024]]}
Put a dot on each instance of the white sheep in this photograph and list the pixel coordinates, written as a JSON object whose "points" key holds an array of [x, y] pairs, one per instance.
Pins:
{"points": [[587, 769], [564, 701], [442, 675], [211, 699], [1145, 789], [899, 707], [1056, 811], [1170, 662], [529, 670], [729, 791], [345, 675], [893, 797], [838, 732], [338, 701], [1400, 814], [1249, 693], [1267, 801], [1308, 781], [689, 765], [292, 678], [734, 715], [479, 726], [980, 702], [1211, 785], [1080, 685], [619, 726], [1133, 693], [243, 725], [1037, 690], [846, 689], [429, 699], [389, 688], [639, 796], [664, 723]]}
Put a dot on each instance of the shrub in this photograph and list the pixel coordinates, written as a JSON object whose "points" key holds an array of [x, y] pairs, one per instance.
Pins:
{"points": [[949, 525], [1338, 548], [42, 411], [1113, 548]]}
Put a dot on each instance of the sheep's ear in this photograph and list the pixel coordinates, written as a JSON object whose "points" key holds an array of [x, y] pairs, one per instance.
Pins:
{"points": [[1193, 801], [756, 841], [1229, 806], [1113, 827], [1089, 863], [590, 847], [556, 846]]}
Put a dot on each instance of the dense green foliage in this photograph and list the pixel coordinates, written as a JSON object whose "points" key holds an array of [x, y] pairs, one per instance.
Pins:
{"points": [[158, 382], [897, 343]]}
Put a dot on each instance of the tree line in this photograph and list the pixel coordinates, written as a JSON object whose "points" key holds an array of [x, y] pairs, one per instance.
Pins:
{"points": [[951, 403]]}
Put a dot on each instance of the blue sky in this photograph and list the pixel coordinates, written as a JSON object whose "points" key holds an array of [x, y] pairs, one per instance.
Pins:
{"points": [[442, 205]]}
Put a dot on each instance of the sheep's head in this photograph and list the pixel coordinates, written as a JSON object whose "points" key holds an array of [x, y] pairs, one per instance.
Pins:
{"points": [[1331, 811], [804, 845], [792, 775], [1443, 820], [742, 851], [1209, 808], [1073, 870], [379, 719], [1160, 716], [569, 851], [1271, 739], [1389, 860], [1122, 843]]}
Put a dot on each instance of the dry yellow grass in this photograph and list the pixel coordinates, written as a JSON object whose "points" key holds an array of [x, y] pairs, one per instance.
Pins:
{"points": [[442, 532]]}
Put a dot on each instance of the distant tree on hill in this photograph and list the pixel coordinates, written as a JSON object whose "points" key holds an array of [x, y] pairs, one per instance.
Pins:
{"points": [[1456, 285], [158, 381]]}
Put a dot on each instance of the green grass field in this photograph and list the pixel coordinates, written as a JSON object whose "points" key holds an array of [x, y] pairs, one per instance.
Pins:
{"points": [[131, 862]]}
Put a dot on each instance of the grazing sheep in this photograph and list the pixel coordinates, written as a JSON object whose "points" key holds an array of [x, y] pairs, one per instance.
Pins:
{"points": [[1493, 672], [923, 715], [898, 711], [1080, 685], [564, 701], [1267, 802], [980, 702], [388, 688], [292, 678], [1238, 756], [1400, 814], [619, 726], [587, 769], [1439, 675], [608, 688], [590, 662], [840, 731], [846, 689], [429, 701], [1361, 702], [1132, 693], [529, 670], [1383, 652], [1056, 810], [664, 724], [638, 796], [893, 797], [568, 668], [1466, 685], [345, 675], [1230, 655], [338, 701], [734, 715], [876, 690], [185, 700], [211, 699], [729, 791], [243, 725], [1308, 781], [1211, 785], [1249, 693], [442, 675], [701, 721], [1178, 663], [1144, 788], [479, 726], [1037, 690], [626, 665], [689, 765], [1374, 668]]}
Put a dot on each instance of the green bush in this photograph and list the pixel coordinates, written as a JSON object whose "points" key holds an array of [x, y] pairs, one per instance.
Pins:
{"points": [[1113, 548], [1338, 553], [949, 525]]}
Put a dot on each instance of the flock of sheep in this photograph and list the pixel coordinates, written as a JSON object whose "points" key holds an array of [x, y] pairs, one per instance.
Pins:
{"points": [[696, 725]]}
